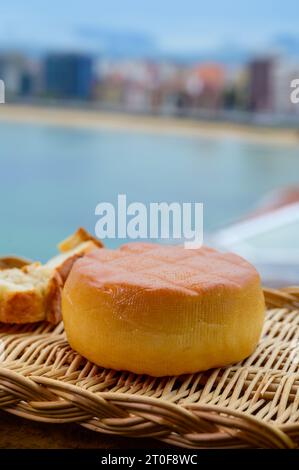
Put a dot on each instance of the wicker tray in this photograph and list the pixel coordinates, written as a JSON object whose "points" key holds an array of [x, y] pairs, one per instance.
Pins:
{"points": [[251, 404]]}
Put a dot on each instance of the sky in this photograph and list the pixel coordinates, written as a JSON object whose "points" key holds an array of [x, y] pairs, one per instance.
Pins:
{"points": [[176, 26]]}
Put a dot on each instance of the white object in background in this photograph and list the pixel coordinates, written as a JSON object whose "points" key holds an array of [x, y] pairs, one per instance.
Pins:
{"points": [[270, 241]]}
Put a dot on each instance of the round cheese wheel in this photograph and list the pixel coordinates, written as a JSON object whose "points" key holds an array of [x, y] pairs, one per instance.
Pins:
{"points": [[163, 310]]}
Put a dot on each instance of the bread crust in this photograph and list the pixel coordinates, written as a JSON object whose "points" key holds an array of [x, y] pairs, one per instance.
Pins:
{"points": [[80, 236], [63, 263], [33, 305], [52, 300], [8, 262], [41, 301], [21, 307]]}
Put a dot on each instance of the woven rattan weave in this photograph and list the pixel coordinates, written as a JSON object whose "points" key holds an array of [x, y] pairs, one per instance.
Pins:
{"points": [[251, 404]]}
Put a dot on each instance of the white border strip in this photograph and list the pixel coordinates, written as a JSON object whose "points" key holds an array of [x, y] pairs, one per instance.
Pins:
{"points": [[261, 224]]}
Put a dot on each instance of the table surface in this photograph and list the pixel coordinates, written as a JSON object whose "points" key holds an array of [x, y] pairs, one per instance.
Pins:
{"points": [[19, 433]]}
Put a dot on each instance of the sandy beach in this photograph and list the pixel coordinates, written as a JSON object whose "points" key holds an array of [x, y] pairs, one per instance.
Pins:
{"points": [[95, 119]]}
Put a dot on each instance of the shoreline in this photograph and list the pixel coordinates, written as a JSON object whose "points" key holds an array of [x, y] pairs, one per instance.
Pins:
{"points": [[106, 120]]}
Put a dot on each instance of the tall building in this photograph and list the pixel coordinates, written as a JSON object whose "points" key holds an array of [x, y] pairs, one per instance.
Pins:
{"points": [[68, 75], [260, 85]]}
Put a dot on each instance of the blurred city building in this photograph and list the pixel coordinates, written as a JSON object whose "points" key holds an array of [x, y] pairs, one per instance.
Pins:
{"points": [[205, 84], [260, 85], [68, 75], [207, 89], [18, 73]]}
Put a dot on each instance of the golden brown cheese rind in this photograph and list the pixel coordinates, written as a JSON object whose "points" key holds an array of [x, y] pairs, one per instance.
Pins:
{"points": [[163, 310]]}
